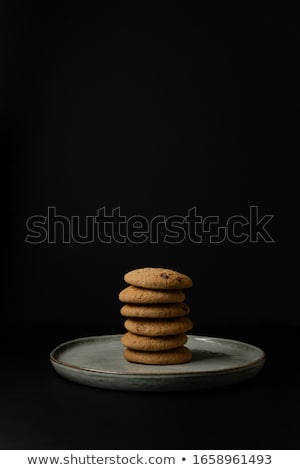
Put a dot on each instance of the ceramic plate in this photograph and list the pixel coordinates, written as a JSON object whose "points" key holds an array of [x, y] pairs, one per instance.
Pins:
{"points": [[98, 361]]}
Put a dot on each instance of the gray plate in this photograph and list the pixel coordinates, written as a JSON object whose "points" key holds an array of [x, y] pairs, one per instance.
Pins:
{"points": [[98, 361]]}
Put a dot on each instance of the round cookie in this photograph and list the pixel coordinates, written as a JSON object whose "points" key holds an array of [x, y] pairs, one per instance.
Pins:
{"points": [[136, 295], [172, 356], [158, 343], [158, 278], [158, 327], [155, 310]]}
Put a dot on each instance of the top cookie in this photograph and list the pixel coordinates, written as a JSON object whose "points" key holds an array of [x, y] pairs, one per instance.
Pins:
{"points": [[158, 278]]}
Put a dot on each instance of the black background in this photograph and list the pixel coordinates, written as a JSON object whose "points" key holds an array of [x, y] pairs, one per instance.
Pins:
{"points": [[155, 111]]}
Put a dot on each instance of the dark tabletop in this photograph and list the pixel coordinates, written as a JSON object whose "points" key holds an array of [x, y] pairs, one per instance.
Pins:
{"points": [[41, 410]]}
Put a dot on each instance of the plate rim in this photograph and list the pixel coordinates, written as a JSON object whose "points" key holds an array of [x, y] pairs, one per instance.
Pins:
{"points": [[252, 364]]}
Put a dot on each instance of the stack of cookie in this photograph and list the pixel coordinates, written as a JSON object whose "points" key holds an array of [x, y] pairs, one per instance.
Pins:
{"points": [[157, 316]]}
